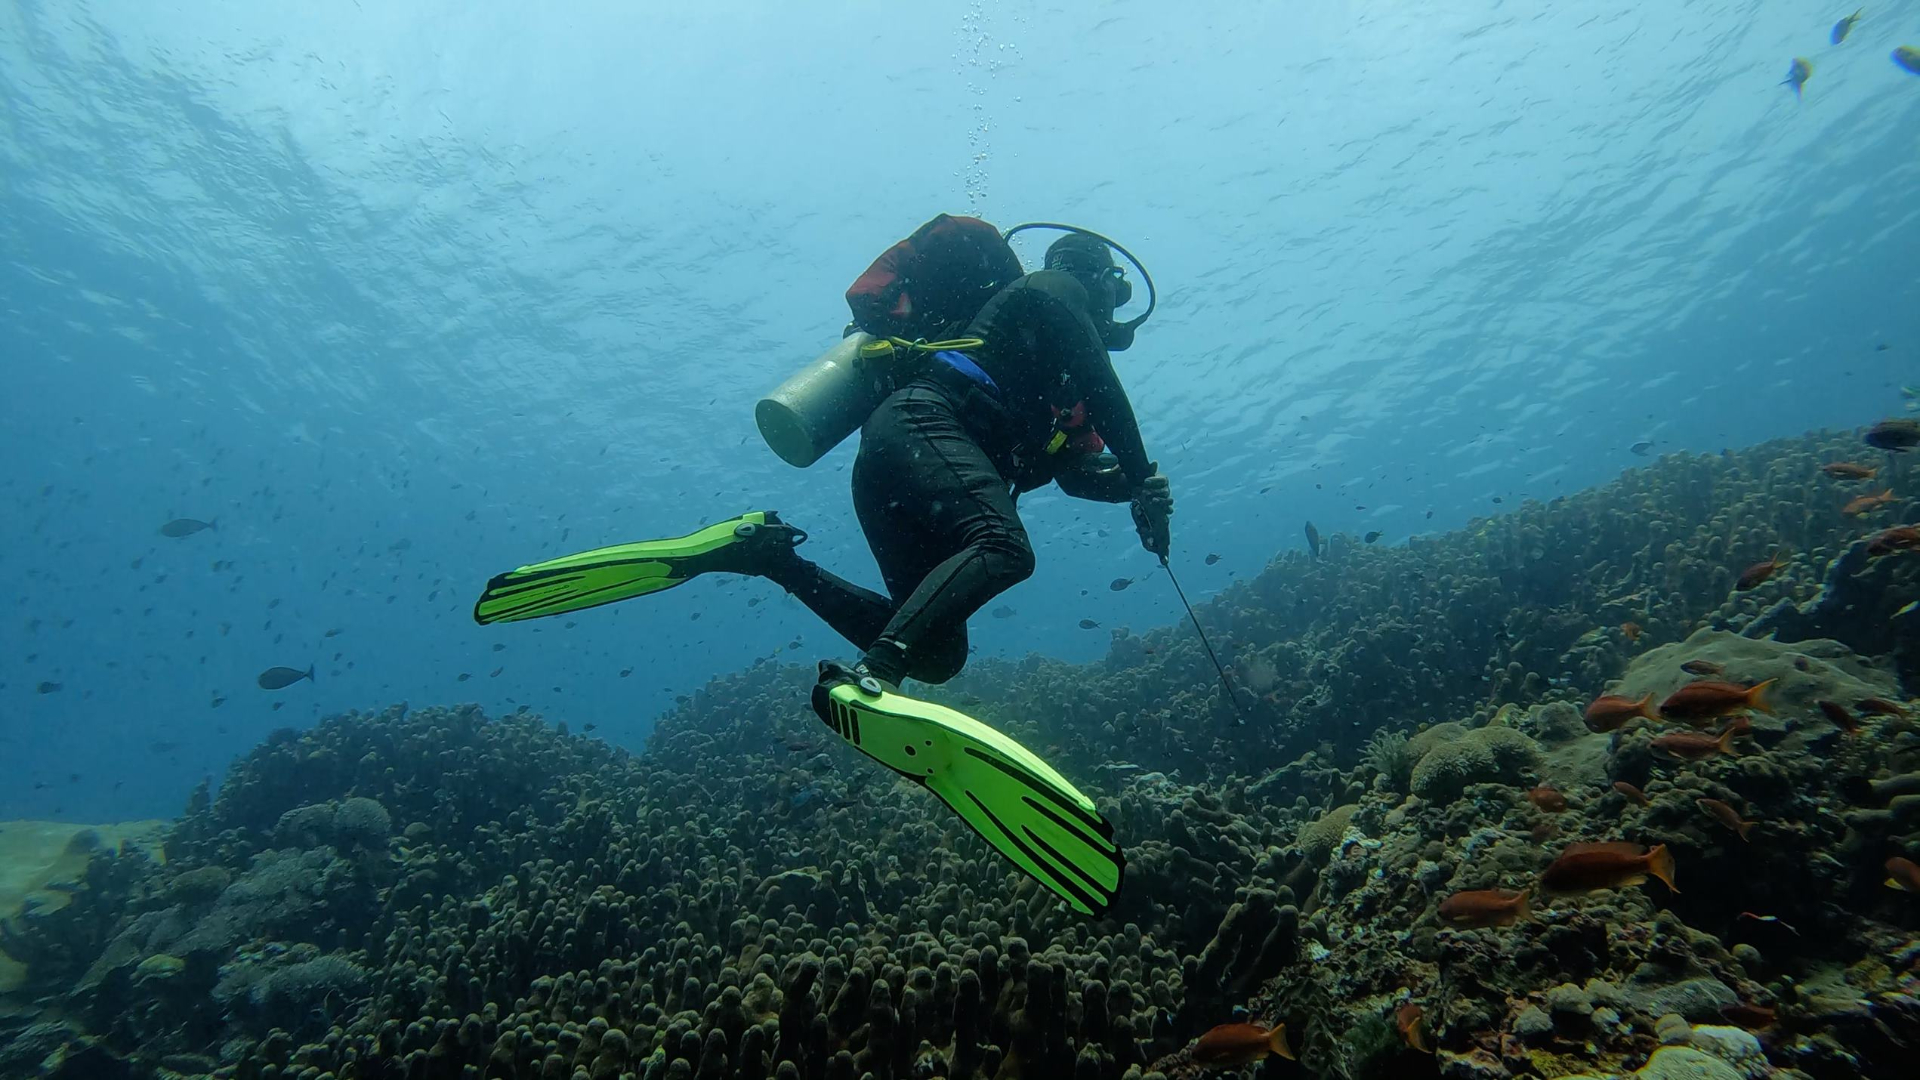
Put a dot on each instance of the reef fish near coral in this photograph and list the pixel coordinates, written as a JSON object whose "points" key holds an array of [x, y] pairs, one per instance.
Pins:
{"points": [[1865, 504], [1710, 700], [1894, 435], [1607, 865], [279, 678], [1847, 470], [1411, 1021], [1314, 546], [1633, 794], [180, 527], [1757, 574], [1898, 538], [1232, 1046], [1692, 746], [1725, 815], [1841, 718], [1477, 908], [1547, 798], [1902, 874], [1608, 712]]}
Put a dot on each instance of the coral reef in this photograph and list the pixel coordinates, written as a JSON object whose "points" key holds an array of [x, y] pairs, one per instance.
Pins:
{"points": [[434, 893]]}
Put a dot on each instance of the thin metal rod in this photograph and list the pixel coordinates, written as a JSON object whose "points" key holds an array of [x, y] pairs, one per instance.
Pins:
{"points": [[1232, 698]]}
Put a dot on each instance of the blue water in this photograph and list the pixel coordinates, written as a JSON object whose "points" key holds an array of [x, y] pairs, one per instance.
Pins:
{"points": [[405, 295]]}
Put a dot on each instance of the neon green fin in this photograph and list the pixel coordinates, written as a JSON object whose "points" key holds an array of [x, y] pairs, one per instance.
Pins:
{"points": [[1015, 801], [608, 574]]}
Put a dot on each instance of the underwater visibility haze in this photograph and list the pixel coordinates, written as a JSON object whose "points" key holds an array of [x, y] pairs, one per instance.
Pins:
{"points": [[1409, 572]]}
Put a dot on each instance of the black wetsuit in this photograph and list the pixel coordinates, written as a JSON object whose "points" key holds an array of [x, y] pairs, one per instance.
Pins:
{"points": [[940, 461]]}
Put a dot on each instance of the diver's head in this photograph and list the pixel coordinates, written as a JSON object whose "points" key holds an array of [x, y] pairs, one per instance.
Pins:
{"points": [[1090, 261]]}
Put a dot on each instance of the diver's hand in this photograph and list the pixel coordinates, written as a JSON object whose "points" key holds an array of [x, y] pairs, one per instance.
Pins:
{"points": [[1152, 505]]}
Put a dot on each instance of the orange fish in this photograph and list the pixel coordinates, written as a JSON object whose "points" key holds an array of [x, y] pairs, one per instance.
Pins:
{"points": [[1411, 1019], [1632, 793], [1701, 667], [1484, 907], [1587, 867], [1840, 716], [1632, 630], [1231, 1046], [1725, 815], [1874, 706], [1609, 711], [1862, 504], [1543, 832], [1898, 538], [1546, 798], [1902, 874], [1759, 572], [1710, 700], [1751, 1017], [1847, 470], [1692, 746]]}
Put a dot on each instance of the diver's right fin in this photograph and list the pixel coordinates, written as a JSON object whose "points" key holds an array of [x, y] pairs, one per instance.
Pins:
{"points": [[608, 574]]}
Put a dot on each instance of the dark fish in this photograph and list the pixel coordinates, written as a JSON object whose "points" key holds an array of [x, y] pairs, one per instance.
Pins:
{"points": [[1844, 27], [1496, 498], [1701, 667], [1546, 798], [1751, 1017], [463, 676], [1478, 908], [1002, 612], [1634, 794], [1119, 584], [335, 632], [498, 647], [1759, 572], [1874, 706], [1371, 537], [1908, 58], [1589, 867], [495, 673], [1314, 547], [1841, 718], [48, 687], [180, 527], [625, 671], [1089, 624], [1640, 448], [399, 545], [279, 678], [1232, 1046], [1894, 435], [1211, 559], [1725, 815], [589, 726], [1798, 73]]}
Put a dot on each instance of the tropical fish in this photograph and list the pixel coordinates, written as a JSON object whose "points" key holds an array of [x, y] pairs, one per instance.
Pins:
{"points": [[1725, 815], [1609, 711], [1874, 706], [1314, 546], [1089, 624], [1759, 572], [1212, 558], [1862, 504], [1633, 794], [1232, 1046], [1589, 867], [1701, 667], [1844, 27], [180, 527], [48, 687], [1847, 470], [1840, 716], [1546, 798], [1797, 74], [1478, 908], [1894, 435], [1710, 699], [1641, 448], [1692, 746], [279, 678], [1907, 57], [1119, 584], [1902, 874], [1632, 630], [1898, 538], [1371, 537], [1411, 1020], [463, 676], [1003, 612], [1751, 1017]]}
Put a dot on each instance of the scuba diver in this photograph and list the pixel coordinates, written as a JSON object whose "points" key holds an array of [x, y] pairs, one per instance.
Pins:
{"points": [[1017, 390]]}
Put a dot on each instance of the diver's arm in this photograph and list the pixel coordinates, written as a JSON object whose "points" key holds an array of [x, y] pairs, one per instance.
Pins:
{"points": [[1091, 368], [1096, 477]]}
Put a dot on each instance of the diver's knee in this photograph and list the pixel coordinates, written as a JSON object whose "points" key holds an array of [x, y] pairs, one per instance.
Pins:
{"points": [[941, 661]]}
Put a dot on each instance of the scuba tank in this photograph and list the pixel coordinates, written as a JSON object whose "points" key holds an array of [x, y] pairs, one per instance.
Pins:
{"points": [[823, 403]]}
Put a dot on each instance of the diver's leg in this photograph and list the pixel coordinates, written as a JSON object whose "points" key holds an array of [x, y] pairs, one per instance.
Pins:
{"points": [[854, 613], [927, 494]]}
